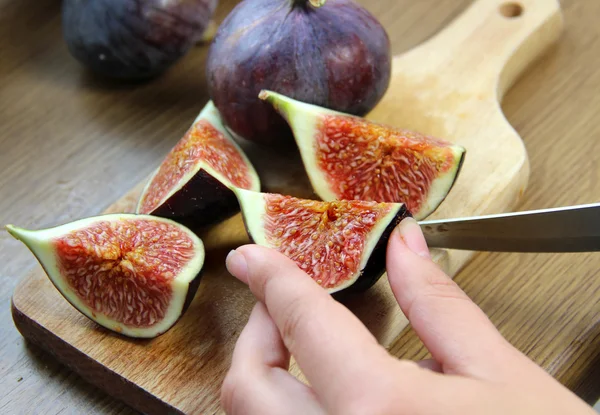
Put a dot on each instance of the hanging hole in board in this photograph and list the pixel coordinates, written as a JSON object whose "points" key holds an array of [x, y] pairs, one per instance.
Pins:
{"points": [[511, 10]]}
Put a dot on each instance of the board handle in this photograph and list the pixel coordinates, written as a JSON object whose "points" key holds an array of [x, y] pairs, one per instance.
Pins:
{"points": [[491, 43]]}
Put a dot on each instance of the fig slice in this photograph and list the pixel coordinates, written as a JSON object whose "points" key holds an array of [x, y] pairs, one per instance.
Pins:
{"points": [[341, 244], [133, 274], [349, 157], [193, 183]]}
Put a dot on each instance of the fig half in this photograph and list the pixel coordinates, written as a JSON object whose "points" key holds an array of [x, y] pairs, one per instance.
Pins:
{"points": [[339, 244], [193, 183], [349, 157], [133, 274]]}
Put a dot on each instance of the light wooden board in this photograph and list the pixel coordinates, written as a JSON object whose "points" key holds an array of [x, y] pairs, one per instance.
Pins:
{"points": [[449, 87]]}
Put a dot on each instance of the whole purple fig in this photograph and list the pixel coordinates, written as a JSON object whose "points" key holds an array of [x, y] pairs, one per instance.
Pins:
{"points": [[133, 39], [330, 53]]}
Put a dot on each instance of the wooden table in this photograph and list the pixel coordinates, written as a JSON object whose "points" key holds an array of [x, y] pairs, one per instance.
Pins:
{"points": [[70, 145]]}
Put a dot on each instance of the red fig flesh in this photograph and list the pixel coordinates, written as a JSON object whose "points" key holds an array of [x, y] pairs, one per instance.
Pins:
{"points": [[193, 183], [340, 244], [133, 274], [348, 157]]}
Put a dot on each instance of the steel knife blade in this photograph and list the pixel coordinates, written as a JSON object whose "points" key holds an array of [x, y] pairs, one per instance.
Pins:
{"points": [[562, 229]]}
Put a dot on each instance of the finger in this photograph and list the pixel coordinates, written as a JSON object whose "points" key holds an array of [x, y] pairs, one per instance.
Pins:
{"points": [[456, 332], [430, 364], [332, 347], [259, 346], [258, 381]]}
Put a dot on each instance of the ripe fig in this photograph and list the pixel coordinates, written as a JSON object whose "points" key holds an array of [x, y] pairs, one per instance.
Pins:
{"points": [[331, 53], [340, 244], [133, 274], [193, 183], [349, 157], [133, 39]]}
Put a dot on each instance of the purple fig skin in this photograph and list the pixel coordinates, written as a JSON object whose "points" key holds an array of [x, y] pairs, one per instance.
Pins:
{"points": [[191, 293], [214, 203], [133, 39], [375, 266], [336, 56]]}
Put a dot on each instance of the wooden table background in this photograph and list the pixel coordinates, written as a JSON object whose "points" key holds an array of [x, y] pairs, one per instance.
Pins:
{"points": [[70, 145]]}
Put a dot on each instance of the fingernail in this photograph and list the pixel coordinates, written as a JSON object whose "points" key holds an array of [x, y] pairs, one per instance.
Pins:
{"points": [[410, 232], [236, 264]]}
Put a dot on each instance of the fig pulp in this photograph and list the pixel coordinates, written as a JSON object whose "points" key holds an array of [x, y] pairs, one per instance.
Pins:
{"points": [[349, 157], [133, 39], [133, 274], [340, 244], [332, 53], [193, 183]]}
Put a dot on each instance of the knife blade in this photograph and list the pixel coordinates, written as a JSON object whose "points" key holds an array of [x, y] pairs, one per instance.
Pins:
{"points": [[562, 229]]}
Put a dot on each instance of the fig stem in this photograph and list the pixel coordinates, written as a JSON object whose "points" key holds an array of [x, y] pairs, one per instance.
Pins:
{"points": [[317, 3], [277, 101], [15, 231], [209, 33]]}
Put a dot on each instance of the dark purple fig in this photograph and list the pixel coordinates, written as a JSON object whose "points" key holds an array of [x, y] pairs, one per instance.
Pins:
{"points": [[332, 53], [133, 39]]}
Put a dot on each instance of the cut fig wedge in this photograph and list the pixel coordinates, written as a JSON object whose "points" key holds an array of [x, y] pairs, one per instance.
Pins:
{"points": [[193, 183], [348, 157], [340, 244], [133, 274]]}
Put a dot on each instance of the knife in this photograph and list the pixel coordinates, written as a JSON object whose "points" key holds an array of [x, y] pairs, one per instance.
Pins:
{"points": [[562, 229]]}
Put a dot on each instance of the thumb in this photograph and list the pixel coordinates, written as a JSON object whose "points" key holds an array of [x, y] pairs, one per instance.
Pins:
{"points": [[457, 333]]}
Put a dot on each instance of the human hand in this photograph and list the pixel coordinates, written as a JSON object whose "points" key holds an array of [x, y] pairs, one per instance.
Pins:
{"points": [[474, 370]]}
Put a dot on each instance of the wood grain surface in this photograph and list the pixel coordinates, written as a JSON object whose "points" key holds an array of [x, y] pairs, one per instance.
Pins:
{"points": [[447, 87], [70, 145]]}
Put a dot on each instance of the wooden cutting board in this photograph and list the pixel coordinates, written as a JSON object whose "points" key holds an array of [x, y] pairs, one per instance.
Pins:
{"points": [[449, 87]]}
